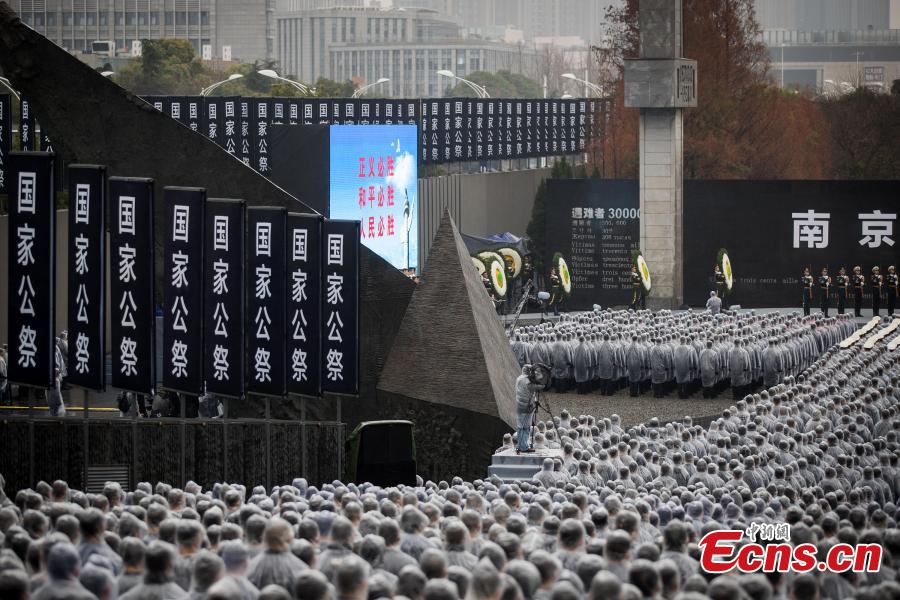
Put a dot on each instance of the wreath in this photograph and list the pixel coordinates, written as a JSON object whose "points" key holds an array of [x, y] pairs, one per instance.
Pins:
{"points": [[643, 270], [513, 259], [498, 278], [479, 265], [725, 267], [565, 278]]}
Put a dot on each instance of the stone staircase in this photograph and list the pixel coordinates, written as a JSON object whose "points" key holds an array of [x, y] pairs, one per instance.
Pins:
{"points": [[509, 466]]}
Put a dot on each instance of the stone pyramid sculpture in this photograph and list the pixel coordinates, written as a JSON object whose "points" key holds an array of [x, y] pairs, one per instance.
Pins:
{"points": [[451, 348]]}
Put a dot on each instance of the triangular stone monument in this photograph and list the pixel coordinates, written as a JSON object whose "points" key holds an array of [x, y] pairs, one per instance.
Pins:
{"points": [[451, 348]]}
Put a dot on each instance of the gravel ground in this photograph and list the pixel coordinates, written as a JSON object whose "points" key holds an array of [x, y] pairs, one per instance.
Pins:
{"points": [[637, 410]]}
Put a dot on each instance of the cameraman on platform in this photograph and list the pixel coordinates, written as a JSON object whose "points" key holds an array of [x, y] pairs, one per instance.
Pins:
{"points": [[526, 403]]}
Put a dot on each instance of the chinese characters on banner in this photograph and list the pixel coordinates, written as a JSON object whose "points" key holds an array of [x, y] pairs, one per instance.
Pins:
{"points": [[265, 326], [244, 136], [31, 265], [304, 310], [132, 326], [87, 280], [376, 193], [183, 290], [26, 126], [259, 125], [224, 297], [214, 118], [176, 107], [194, 113], [5, 141], [812, 229], [340, 307], [231, 126]]}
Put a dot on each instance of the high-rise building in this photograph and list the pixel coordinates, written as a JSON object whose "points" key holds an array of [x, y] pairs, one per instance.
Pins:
{"points": [[245, 27], [536, 18], [824, 15], [406, 45]]}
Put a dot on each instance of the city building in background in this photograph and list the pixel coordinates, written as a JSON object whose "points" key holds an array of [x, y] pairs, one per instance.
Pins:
{"points": [[832, 47], [823, 15], [240, 30], [407, 46]]}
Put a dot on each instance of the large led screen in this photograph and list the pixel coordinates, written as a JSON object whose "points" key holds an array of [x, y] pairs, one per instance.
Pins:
{"points": [[374, 181]]}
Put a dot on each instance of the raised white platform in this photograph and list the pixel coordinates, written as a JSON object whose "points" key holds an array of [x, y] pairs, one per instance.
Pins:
{"points": [[509, 466]]}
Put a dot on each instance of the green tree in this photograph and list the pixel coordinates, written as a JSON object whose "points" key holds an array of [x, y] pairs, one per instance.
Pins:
{"points": [[167, 66], [328, 88], [537, 226], [502, 84]]}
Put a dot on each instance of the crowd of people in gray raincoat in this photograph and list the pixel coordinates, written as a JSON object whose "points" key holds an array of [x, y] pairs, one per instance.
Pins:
{"points": [[685, 351], [617, 517]]}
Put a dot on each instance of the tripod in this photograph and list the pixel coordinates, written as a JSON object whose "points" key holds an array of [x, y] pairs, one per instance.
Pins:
{"points": [[542, 406]]}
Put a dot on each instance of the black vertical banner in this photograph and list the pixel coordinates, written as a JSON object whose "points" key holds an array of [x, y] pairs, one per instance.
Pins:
{"points": [[304, 310], [340, 307], [177, 109], [132, 318], [410, 112], [307, 112], [431, 126], [349, 114], [194, 106], [335, 111], [366, 113], [224, 297], [469, 129], [481, 133], [506, 128], [279, 114], [458, 137], [322, 114], [244, 135], [446, 127], [518, 118], [214, 117], [26, 126], [5, 141], [492, 127], [183, 290], [265, 325], [552, 142], [31, 264], [259, 123], [87, 278], [528, 123], [582, 124], [424, 135], [231, 108]]}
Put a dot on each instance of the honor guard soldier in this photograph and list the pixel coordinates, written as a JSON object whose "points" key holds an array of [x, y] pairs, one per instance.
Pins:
{"points": [[721, 287], [637, 290], [858, 281], [841, 282], [806, 281], [556, 291], [824, 289], [891, 284], [877, 281]]}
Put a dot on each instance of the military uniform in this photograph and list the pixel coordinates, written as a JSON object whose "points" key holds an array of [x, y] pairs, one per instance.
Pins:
{"points": [[891, 282], [841, 281], [721, 288], [807, 282], [824, 285], [858, 282], [638, 300], [877, 281]]}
